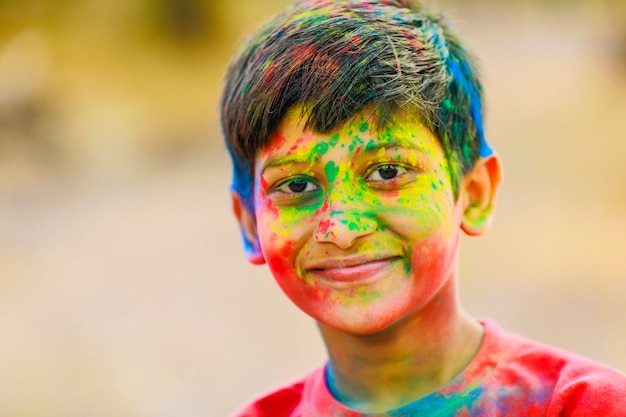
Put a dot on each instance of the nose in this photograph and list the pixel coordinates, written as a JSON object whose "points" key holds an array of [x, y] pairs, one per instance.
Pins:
{"points": [[343, 228]]}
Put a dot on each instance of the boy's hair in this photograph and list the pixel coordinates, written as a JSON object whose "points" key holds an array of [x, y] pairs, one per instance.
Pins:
{"points": [[337, 57]]}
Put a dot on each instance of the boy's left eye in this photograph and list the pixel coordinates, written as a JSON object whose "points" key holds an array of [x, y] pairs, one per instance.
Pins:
{"points": [[384, 173]]}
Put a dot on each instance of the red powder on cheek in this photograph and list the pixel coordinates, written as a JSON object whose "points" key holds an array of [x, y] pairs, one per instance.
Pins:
{"points": [[287, 248], [321, 293], [434, 257], [280, 259], [279, 266]]}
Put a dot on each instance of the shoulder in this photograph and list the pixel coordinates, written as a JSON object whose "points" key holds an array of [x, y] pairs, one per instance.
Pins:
{"points": [[588, 388], [282, 401], [570, 384]]}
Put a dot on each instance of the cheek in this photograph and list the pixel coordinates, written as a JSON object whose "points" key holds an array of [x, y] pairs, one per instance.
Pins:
{"points": [[427, 254], [279, 255], [419, 215], [282, 235], [432, 261]]}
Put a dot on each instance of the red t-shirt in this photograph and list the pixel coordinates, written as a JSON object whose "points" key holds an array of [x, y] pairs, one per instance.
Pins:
{"points": [[510, 376]]}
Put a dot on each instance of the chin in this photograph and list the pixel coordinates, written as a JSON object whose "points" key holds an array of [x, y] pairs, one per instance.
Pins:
{"points": [[357, 329], [363, 321]]}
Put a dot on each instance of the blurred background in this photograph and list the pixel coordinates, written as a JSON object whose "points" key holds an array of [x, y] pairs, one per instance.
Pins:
{"points": [[123, 288]]}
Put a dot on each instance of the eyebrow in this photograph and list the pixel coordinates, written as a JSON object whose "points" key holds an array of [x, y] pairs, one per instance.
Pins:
{"points": [[288, 159], [403, 144], [299, 158]]}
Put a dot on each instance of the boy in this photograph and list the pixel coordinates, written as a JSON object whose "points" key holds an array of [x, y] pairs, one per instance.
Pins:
{"points": [[355, 129]]}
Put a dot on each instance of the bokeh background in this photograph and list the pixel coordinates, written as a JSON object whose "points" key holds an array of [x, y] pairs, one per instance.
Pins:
{"points": [[123, 289]]}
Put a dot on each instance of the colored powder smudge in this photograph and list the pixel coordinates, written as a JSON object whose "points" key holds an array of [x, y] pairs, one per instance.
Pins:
{"points": [[387, 136], [269, 206], [331, 171], [275, 143], [334, 139], [320, 148], [356, 144], [296, 145], [353, 224], [263, 183], [367, 297], [324, 225]]}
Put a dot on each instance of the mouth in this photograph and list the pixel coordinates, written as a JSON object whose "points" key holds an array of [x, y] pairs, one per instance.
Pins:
{"points": [[345, 272]]}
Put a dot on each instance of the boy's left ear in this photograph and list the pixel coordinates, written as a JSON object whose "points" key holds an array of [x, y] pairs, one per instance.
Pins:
{"points": [[249, 233], [478, 194]]}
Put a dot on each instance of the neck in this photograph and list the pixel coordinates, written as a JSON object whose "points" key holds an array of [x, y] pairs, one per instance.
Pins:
{"points": [[413, 357]]}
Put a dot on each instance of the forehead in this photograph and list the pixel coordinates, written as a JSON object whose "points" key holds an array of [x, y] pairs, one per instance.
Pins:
{"points": [[361, 134]]}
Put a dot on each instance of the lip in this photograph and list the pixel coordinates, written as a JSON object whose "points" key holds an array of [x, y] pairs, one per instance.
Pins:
{"points": [[344, 272]]}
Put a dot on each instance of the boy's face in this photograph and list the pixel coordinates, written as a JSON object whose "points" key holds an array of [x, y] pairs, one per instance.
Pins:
{"points": [[358, 228]]}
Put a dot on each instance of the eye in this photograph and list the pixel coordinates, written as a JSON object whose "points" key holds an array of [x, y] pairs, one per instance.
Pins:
{"points": [[384, 173], [297, 186]]}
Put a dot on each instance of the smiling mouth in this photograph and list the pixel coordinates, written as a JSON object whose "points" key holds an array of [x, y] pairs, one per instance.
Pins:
{"points": [[348, 272]]}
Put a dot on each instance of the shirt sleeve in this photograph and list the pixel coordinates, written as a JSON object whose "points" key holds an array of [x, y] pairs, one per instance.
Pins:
{"points": [[596, 391]]}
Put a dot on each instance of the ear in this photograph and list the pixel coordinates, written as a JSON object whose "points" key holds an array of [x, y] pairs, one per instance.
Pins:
{"points": [[478, 194], [249, 234]]}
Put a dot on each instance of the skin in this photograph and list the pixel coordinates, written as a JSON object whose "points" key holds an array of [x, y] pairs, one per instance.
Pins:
{"points": [[360, 229]]}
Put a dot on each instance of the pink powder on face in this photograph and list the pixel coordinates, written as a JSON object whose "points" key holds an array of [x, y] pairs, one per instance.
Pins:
{"points": [[324, 226], [297, 144], [269, 206]]}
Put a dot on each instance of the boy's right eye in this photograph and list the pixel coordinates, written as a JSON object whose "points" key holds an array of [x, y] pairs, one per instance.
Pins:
{"points": [[297, 186]]}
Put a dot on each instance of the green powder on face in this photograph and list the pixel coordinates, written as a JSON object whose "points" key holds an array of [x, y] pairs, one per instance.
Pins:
{"points": [[356, 141], [323, 146], [367, 297], [353, 222], [320, 149], [331, 171]]}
